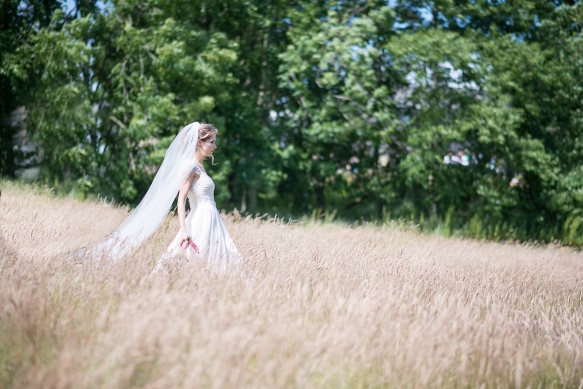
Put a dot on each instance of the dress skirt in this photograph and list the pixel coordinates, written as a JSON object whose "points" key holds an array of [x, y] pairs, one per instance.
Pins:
{"points": [[206, 229]]}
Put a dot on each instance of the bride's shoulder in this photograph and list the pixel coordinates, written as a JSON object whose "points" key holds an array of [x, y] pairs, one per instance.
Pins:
{"points": [[196, 170]]}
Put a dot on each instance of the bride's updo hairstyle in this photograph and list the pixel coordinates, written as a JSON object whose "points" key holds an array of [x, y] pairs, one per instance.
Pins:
{"points": [[205, 131]]}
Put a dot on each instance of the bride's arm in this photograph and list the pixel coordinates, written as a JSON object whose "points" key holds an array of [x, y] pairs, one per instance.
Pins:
{"points": [[182, 195]]}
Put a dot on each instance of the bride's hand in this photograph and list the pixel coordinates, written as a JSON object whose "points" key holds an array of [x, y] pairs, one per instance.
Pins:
{"points": [[183, 240], [186, 241]]}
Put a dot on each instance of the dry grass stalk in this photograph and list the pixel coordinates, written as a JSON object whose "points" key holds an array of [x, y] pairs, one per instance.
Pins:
{"points": [[318, 306]]}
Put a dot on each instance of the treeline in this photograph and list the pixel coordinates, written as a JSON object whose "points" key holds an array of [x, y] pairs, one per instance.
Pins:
{"points": [[463, 116]]}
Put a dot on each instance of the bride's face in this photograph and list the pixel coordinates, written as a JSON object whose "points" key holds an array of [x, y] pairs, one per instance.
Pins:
{"points": [[208, 145]]}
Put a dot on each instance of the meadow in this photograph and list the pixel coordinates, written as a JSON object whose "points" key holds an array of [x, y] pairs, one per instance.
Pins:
{"points": [[318, 306]]}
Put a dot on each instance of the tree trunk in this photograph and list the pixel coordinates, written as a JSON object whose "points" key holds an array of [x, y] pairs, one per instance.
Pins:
{"points": [[319, 192], [252, 201]]}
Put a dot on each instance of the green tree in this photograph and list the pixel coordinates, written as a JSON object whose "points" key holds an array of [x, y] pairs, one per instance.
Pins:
{"points": [[498, 82], [109, 88], [337, 84], [348, 106], [19, 20], [114, 87]]}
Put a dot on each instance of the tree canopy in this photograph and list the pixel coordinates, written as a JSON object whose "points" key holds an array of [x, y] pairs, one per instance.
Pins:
{"points": [[463, 116]]}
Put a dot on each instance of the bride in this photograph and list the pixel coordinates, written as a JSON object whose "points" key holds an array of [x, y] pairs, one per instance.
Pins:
{"points": [[202, 235]]}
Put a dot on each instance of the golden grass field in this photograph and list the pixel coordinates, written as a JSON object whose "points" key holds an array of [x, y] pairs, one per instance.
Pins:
{"points": [[319, 306]]}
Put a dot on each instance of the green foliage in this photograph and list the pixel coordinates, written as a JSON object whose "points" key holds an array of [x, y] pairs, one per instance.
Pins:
{"points": [[111, 90], [19, 20], [336, 109]]}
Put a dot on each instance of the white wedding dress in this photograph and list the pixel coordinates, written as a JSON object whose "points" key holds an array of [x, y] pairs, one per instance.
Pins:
{"points": [[205, 227]]}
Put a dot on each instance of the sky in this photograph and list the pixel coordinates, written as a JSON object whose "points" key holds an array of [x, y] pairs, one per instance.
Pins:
{"points": [[68, 5]]}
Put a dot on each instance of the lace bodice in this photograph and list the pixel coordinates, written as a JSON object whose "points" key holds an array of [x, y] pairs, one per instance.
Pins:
{"points": [[202, 190]]}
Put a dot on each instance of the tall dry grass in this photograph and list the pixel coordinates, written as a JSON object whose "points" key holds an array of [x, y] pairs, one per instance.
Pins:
{"points": [[318, 306]]}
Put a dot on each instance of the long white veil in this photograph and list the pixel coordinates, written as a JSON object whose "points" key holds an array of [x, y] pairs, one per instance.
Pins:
{"points": [[153, 209]]}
